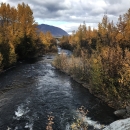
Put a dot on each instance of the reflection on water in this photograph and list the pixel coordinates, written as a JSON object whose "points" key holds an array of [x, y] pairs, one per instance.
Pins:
{"points": [[63, 51]]}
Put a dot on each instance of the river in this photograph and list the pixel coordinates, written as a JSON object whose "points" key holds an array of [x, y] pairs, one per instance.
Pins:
{"points": [[38, 89]]}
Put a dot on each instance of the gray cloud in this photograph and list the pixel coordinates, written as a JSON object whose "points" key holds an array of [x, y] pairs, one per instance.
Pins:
{"points": [[113, 1], [75, 11]]}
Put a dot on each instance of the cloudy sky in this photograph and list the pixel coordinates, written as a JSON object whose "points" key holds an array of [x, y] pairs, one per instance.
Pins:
{"points": [[69, 14]]}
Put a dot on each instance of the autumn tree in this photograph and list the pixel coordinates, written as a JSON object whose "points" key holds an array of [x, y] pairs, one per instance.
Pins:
{"points": [[7, 49], [107, 51], [25, 43]]}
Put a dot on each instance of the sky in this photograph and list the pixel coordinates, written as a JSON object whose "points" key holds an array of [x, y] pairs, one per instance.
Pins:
{"points": [[69, 14]]}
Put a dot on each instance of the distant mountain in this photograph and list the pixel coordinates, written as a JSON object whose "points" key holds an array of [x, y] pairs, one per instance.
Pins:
{"points": [[55, 31]]}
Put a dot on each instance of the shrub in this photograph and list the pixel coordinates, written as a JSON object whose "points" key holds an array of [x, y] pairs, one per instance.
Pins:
{"points": [[107, 72], [96, 74], [60, 62]]}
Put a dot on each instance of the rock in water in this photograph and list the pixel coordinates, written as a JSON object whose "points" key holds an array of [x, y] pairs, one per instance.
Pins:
{"points": [[127, 112], [120, 113]]}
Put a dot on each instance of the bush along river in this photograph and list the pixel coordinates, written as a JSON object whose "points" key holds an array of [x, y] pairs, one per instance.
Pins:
{"points": [[33, 89]]}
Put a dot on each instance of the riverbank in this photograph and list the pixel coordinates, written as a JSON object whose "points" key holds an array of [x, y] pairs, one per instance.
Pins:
{"points": [[80, 73], [120, 112]]}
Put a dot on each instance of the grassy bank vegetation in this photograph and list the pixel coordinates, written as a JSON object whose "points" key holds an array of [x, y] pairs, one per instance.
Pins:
{"points": [[101, 58], [19, 36]]}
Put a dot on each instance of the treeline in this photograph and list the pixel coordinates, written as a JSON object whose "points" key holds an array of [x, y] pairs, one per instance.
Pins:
{"points": [[19, 36], [103, 59]]}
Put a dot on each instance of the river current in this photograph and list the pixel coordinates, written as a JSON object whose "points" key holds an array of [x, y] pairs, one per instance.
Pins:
{"points": [[33, 89]]}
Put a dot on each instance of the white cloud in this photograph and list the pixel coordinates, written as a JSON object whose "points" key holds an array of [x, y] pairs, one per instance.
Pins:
{"points": [[71, 13]]}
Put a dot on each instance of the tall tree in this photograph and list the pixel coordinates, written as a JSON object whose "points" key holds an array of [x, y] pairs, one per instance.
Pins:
{"points": [[26, 32]]}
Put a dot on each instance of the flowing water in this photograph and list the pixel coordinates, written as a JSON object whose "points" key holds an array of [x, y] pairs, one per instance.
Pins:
{"points": [[38, 90]]}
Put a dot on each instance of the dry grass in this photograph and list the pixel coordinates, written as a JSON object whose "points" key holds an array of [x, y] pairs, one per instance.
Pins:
{"points": [[75, 66], [50, 122]]}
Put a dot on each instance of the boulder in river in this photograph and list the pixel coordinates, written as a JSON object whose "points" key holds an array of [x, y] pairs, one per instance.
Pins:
{"points": [[128, 111], [125, 113], [120, 113]]}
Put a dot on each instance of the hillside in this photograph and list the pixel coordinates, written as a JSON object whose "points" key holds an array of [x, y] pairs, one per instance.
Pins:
{"points": [[55, 31]]}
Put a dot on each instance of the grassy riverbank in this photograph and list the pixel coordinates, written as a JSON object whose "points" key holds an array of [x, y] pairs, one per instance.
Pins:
{"points": [[101, 59]]}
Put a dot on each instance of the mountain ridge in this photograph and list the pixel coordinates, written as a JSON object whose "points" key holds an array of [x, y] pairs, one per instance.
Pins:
{"points": [[55, 31]]}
